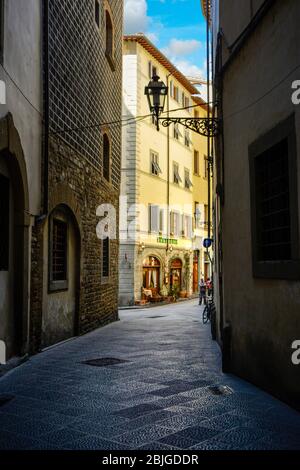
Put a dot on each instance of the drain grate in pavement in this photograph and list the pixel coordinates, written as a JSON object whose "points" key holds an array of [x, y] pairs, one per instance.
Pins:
{"points": [[4, 399], [221, 390], [104, 362]]}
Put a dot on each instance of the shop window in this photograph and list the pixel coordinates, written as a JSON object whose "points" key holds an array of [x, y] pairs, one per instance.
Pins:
{"points": [[4, 223], [106, 258], [106, 157], [274, 204]]}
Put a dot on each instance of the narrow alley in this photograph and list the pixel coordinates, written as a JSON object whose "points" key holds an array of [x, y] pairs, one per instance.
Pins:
{"points": [[168, 393]]}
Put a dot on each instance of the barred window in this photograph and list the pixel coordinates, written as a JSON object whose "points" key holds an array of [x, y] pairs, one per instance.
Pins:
{"points": [[274, 203], [59, 250], [106, 258], [4, 223]]}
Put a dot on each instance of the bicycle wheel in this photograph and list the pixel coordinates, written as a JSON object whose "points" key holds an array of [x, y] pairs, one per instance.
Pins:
{"points": [[205, 315]]}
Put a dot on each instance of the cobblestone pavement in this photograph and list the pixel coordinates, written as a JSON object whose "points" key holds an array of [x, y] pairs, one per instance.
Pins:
{"points": [[165, 396]]}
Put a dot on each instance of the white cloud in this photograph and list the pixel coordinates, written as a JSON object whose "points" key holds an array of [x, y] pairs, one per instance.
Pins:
{"points": [[189, 69], [177, 47], [135, 16]]}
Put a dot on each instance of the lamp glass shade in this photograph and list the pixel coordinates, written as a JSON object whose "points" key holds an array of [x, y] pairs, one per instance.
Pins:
{"points": [[156, 93]]}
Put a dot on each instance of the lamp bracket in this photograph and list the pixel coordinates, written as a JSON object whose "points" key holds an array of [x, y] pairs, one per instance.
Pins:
{"points": [[208, 127]]}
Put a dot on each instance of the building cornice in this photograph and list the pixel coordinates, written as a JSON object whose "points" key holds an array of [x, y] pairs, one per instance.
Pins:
{"points": [[164, 61]]}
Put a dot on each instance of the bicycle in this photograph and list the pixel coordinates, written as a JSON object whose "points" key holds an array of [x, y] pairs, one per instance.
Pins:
{"points": [[206, 315]]}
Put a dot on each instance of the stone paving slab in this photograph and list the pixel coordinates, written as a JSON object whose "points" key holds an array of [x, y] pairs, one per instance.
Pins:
{"points": [[162, 399]]}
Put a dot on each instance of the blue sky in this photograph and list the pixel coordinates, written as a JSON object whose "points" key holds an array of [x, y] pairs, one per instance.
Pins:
{"points": [[177, 27]]}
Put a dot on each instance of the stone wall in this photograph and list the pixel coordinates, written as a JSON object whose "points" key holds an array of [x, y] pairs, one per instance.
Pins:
{"points": [[85, 96]]}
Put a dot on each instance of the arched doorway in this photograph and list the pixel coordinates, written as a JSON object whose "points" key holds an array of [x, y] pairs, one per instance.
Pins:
{"points": [[61, 305], [14, 240], [176, 273], [151, 274]]}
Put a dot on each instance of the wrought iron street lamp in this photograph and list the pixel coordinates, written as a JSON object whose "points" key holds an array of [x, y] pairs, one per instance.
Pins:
{"points": [[156, 92]]}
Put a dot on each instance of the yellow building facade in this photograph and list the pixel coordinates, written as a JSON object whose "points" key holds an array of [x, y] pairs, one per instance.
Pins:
{"points": [[164, 186]]}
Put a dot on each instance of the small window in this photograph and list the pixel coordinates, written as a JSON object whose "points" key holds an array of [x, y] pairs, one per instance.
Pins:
{"points": [[187, 180], [187, 139], [205, 166], [183, 99], [198, 215], [175, 224], [187, 226], [177, 133], [155, 168], [106, 258], [109, 50], [106, 157], [4, 223], [176, 93], [162, 221], [196, 162], [59, 250], [274, 203], [97, 13], [187, 103], [171, 89], [176, 176]]}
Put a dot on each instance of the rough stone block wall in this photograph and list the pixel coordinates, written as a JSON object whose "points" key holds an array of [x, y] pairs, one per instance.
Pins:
{"points": [[85, 95]]}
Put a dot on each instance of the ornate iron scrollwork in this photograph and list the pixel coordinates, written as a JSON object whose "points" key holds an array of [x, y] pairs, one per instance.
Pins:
{"points": [[208, 127]]}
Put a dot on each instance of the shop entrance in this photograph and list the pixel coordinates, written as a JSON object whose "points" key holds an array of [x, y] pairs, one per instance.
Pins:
{"points": [[151, 275], [176, 273]]}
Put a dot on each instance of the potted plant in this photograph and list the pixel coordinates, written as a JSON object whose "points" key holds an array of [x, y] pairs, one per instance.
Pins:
{"points": [[164, 292]]}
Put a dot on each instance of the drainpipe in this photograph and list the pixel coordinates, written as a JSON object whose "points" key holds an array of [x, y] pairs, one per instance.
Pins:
{"points": [[208, 116], [168, 163]]}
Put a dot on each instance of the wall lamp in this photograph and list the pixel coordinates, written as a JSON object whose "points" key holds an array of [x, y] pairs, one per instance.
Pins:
{"points": [[157, 91]]}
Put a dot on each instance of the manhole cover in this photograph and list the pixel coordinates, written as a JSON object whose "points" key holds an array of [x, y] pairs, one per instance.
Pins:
{"points": [[104, 362], [4, 399], [221, 390]]}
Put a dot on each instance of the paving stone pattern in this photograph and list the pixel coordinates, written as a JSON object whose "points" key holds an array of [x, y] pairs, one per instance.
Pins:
{"points": [[161, 398]]}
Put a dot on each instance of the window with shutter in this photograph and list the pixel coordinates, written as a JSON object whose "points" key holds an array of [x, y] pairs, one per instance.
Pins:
{"points": [[177, 179], [155, 168], [154, 218]]}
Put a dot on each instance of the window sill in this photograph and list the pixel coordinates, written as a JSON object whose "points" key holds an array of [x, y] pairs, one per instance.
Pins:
{"points": [[277, 270], [58, 286]]}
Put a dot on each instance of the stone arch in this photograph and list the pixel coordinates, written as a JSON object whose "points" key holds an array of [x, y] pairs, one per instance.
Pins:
{"points": [[12, 156], [62, 295]]}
